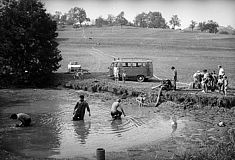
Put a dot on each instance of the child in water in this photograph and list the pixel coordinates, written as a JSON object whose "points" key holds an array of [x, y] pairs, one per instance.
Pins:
{"points": [[25, 119]]}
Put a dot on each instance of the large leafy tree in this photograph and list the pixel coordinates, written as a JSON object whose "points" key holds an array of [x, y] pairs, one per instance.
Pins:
{"points": [[212, 26], [141, 20], [151, 20], [156, 20], [77, 14], [28, 47], [175, 21], [120, 19]]}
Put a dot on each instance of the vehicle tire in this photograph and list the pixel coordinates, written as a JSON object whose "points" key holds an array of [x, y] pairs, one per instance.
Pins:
{"points": [[140, 78]]}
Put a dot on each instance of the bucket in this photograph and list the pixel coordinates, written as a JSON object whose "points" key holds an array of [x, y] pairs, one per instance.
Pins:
{"points": [[100, 154]]}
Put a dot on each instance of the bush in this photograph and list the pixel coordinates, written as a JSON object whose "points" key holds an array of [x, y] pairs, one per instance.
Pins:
{"points": [[223, 32]]}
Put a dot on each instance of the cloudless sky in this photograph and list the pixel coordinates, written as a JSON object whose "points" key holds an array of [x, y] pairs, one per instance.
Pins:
{"points": [[220, 11]]}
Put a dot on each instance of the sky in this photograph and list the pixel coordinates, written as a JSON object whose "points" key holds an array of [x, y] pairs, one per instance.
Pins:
{"points": [[220, 11]]}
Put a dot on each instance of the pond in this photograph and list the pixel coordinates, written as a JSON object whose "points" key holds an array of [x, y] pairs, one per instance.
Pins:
{"points": [[53, 134]]}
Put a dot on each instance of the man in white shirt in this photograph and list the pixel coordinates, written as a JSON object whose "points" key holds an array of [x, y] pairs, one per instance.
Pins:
{"points": [[116, 73], [221, 71]]}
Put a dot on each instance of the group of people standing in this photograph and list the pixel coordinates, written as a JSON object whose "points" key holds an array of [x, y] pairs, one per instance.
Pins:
{"points": [[211, 81]]}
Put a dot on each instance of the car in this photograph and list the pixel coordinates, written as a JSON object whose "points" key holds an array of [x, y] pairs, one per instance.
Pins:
{"points": [[73, 66]]}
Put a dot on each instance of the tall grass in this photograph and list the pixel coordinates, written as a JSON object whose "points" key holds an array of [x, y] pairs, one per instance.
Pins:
{"points": [[221, 151]]}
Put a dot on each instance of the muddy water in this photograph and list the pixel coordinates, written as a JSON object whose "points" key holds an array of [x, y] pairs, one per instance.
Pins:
{"points": [[53, 134]]}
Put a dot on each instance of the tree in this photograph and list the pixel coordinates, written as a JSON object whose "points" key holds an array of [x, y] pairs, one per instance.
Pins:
{"points": [[193, 24], [110, 19], [121, 20], [155, 20], [150, 20], [141, 20], [57, 16], [27, 43], [63, 18], [77, 14], [202, 26], [175, 21], [212, 26], [99, 22]]}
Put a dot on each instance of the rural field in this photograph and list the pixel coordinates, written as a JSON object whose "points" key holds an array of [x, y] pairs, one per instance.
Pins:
{"points": [[146, 132], [94, 48]]}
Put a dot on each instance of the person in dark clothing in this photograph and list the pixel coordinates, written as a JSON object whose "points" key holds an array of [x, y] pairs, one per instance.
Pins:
{"points": [[25, 119], [80, 108], [174, 71]]}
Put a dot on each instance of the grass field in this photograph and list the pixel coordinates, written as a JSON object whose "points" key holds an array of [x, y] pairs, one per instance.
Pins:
{"points": [[94, 48]]}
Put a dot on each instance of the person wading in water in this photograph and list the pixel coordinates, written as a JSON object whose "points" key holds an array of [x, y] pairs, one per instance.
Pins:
{"points": [[115, 113], [80, 108]]}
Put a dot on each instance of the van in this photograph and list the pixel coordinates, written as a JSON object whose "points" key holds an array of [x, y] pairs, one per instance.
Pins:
{"points": [[139, 69]]}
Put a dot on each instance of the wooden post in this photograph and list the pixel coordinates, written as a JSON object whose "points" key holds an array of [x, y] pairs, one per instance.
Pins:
{"points": [[158, 96]]}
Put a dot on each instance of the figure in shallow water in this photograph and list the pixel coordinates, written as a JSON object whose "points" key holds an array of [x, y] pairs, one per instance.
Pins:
{"points": [[24, 118], [115, 113], [80, 108]]}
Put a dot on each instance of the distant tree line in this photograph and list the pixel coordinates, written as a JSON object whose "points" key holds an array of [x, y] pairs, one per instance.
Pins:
{"points": [[209, 26], [145, 20], [112, 20], [74, 15]]}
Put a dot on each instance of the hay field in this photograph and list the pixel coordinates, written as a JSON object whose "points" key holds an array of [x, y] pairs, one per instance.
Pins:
{"points": [[95, 48]]}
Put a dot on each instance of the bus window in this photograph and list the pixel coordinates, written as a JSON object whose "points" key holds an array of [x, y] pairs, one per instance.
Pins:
{"points": [[139, 64], [134, 64], [144, 64], [129, 64], [125, 64]]}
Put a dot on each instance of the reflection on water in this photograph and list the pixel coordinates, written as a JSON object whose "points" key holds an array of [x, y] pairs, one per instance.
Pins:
{"points": [[54, 134], [117, 127], [82, 130]]}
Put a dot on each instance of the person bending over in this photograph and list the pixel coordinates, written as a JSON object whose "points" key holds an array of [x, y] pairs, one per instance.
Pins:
{"points": [[25, 119], [115, 113], [80, 108]]}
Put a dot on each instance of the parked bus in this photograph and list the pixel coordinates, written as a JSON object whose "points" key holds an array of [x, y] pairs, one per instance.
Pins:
{"points": [[139, 69]]}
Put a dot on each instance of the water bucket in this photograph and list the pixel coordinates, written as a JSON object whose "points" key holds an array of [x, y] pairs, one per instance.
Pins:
{"points": [[100, 154]]}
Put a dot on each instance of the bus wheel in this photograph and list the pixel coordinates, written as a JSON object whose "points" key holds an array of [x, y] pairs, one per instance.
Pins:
{"points": [[140, 78]]}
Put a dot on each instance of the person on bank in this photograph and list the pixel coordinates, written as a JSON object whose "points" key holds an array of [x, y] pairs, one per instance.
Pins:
{"points": [[174, 71], [115, 113], [24, 118], [80, 108]]}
